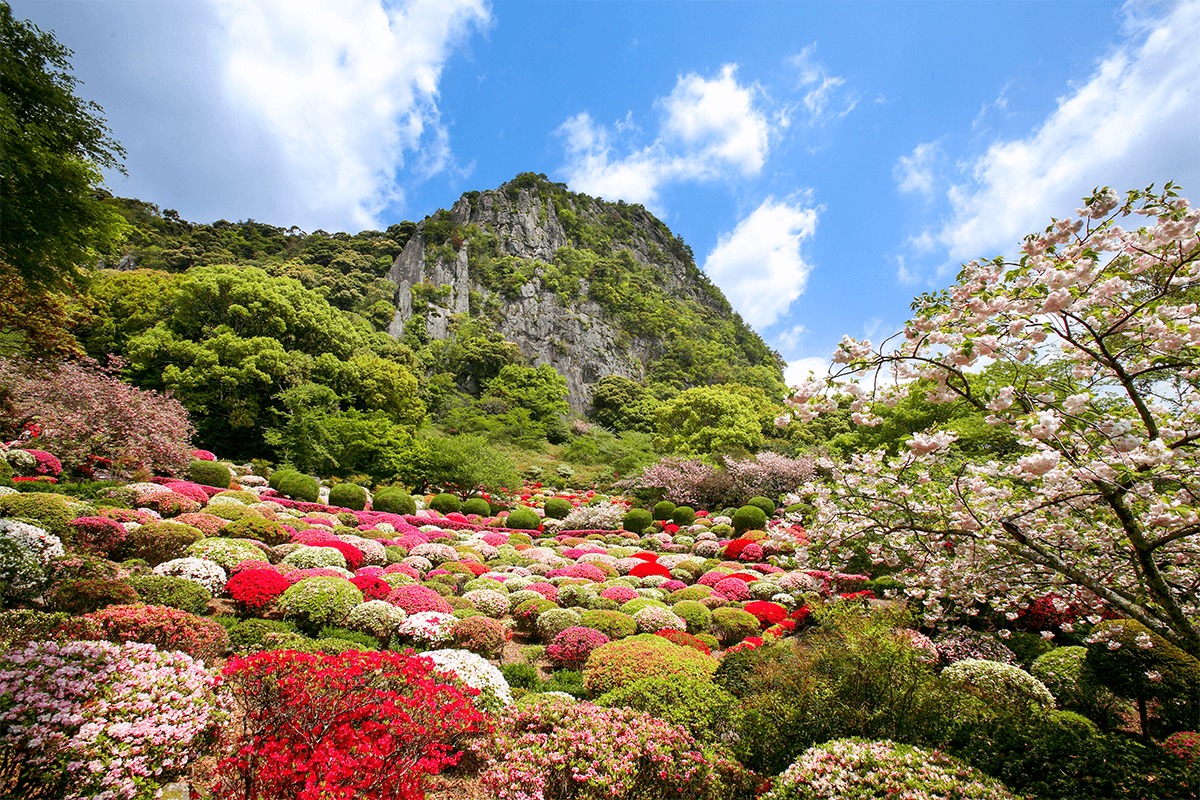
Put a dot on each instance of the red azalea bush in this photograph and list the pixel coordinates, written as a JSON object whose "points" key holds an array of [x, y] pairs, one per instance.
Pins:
{"points": [[203, 455], [96, 535], [571, 647], [256, 589], [415, 599], [372, 587], [768, 613], [647, 568], [1186, 745], [482, 635], [165, 628], [47, 464], [354, 557], [684, 638], [733, 588], [546, 590], [356, 724]]}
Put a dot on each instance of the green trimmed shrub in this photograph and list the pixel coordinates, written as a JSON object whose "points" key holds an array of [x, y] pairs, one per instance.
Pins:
{"points": [[300, 487], [524, 519], [317, 602], [636, 520], [695, 614], [521, 675], [663, 510], [167, 590], [21, 626], [1001, 688], [707, 711], [6, 473], [765, 503], [554, 621], [158, 542], [446, 503], [477, 505], [619, 663], [393, 500], [361, 641], [249, 498], [85, 595], [613, 624], [51, 512], [567, 681], [732, 625], [1144, 666], [209, 473], [267, 531], [279, 475], [1064, 672], [557, 508], [228, 553], [526, 613], [749, 518], [348, 495], [683, 516]]}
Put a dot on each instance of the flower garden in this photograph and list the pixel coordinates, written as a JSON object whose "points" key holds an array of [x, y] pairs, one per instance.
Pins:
{"points": [[557, 645]]}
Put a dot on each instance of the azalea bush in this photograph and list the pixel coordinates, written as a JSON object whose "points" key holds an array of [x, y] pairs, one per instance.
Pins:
{"points": [[356, 724], [99, 720], [167, 628], [1087, 349]]}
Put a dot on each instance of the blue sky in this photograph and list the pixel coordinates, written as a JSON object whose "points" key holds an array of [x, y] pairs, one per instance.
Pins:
{"points": [[826, 161]]}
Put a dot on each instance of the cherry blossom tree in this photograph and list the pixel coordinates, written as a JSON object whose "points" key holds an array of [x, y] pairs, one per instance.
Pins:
{"points": [[1088, 348]]}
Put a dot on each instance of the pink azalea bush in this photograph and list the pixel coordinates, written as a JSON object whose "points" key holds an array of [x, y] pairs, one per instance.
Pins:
{"points": [[100, 720]]}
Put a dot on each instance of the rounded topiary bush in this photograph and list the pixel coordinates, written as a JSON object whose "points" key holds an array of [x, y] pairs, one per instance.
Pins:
{"points": [[707, 711], [51, 512], [683, 516], [1002, 688], [622, 662], [209, 473], [1064, 672], [695, 615], [749, 518], [267, 531], [637, 520], [393, 500], [572, 646], [523, 519], [298, 486], [765, 503], [316, 602], [171, 591], [663, 510], [227, 553], [158, 542], [348, 495], [859, 769], [446, 503], [613, 624], [165, 628], [554, 621], [477, 505], [82, 595], [481, 635], [731, 625], [557, 508]]}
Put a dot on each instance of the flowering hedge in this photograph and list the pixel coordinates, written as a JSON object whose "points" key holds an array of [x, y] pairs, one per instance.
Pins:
{"points": [[356, 724], [256, 589], [618, 663], [166, 628], [99, 720]]}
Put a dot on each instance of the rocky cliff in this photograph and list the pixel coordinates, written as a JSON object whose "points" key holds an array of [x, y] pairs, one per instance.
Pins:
{"points": [[589, 287]]}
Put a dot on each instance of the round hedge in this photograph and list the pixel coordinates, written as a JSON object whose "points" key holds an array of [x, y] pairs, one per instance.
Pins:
{"points": [[348, 495], [765, 503], [707, 711], [622, 662], [663, 510], [393, 500], [301, 487], [446, 503], [209, 473], [51, 512], [695, 615], [859, 769], [477, 505], [158, 542], [749, 518], [523, 519], [227, 553], [267, 531], [683, 516], [1128, 668], [557, 508], [171, 591], [731, 625], [637, 520], [316, 602], [1003, 688]]}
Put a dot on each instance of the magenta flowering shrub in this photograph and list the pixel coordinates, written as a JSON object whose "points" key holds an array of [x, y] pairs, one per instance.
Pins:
{"points": [[99, 720], [415, 599], [167, 628], [96, 535], [567, 751], [571, 647], [45, 463]]}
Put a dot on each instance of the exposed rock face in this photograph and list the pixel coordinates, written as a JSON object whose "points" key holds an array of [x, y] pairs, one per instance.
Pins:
{"points": [[577, 336]]}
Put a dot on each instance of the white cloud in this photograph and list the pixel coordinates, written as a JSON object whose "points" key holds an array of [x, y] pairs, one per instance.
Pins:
{"points": [[758, 264], [347, 90], [914, 173], [798, 369], [710, 128], [825, 97], [1132, 123]]}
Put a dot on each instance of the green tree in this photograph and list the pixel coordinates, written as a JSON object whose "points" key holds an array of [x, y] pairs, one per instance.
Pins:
{"points": [[52, 147], [622, 404], [464, 464], [708, 421]]}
